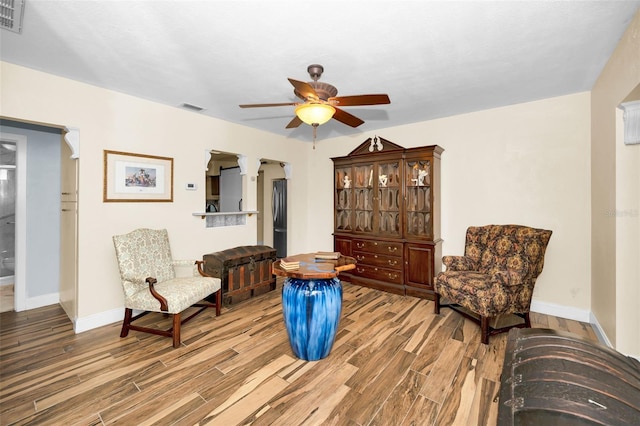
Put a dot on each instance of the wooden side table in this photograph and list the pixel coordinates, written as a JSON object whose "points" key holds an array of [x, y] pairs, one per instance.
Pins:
{"points": [[312, 303]]}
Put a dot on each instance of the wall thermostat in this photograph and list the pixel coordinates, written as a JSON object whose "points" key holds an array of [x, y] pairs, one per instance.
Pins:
{"points": [[190, 186]]}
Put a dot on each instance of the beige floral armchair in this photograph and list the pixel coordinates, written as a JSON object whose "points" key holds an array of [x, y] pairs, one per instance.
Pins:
{"points": [[150, 283], [495, 277]]}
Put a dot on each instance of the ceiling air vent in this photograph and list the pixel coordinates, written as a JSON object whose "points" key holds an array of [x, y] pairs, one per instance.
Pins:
{"points": [[11, 12], [192, 107]]}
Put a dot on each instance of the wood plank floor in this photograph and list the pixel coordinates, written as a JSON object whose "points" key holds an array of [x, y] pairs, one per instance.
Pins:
{"points": [[6, 298], [393, 363]]}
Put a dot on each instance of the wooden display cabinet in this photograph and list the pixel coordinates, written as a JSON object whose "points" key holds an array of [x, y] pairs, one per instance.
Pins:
{"points": [[387, 216]]}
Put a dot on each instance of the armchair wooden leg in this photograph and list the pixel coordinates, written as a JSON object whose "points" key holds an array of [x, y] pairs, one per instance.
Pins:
{"points": [[126, 322], [436, 304], [176, 330], [218, 301], [484, 330], [527, 320]]}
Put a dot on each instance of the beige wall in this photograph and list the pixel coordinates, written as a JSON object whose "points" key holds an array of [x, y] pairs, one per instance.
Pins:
{"points": [[111, 120], [615, 198], [526, 164], [627, 216]]}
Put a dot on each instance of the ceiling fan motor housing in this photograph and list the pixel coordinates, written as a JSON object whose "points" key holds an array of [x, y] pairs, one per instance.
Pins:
{"points": [[324, 90], [315, 71]]}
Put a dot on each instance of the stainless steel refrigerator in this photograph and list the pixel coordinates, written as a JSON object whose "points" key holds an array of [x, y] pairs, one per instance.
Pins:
{"points": [[230, 190], [279, 207]]}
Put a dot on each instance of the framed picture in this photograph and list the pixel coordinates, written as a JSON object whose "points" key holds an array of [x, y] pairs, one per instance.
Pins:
{"points": [[137, 177]]}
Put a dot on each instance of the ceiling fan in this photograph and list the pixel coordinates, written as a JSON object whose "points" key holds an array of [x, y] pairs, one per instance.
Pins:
{"points": [[320, 103]]}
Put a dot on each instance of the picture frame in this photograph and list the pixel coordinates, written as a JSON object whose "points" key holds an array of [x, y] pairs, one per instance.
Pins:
{"points": [[130, 177]]}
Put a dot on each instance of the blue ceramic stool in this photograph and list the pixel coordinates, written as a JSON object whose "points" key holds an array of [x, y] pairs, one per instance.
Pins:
{"points": [[311, 311]]}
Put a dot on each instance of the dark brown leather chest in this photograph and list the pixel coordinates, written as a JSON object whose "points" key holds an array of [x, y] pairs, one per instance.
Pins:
{"points": [[245, 271], [556, 378]]}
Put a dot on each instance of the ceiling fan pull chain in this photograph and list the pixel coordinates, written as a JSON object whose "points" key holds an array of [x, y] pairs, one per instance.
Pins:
{"points": [[315, 130]]}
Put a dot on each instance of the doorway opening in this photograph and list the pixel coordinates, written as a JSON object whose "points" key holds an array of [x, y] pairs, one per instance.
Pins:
{"points": [[272, 218], [8, 187]]}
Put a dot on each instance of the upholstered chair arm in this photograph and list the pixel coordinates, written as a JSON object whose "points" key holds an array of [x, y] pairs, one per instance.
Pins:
{"points": [[134, 279], [187, 263], [199, 265], [510, 277], [459, 263], [164, 305]]}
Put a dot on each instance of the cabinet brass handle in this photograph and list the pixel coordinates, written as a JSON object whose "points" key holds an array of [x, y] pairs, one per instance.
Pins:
{"points": [[392, 249], [360, 257], [360, 270], [359, 245], [393, 262], [393, 276]]}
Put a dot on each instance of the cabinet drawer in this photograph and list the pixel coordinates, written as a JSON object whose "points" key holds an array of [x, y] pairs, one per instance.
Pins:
{"points": [[380, 247], [375, 259], [377, 273]]}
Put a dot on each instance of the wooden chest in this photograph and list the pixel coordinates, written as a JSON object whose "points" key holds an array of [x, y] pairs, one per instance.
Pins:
{"points": [[556, 378], [244, 271]]}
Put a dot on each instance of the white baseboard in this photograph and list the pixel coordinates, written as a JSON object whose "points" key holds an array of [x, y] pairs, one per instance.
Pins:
{"points": [[575, 314], [40, 301], [597, 328], [98, 320], [561, 311]]}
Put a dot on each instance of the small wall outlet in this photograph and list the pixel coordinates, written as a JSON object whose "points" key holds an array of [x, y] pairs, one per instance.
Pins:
{"points": [[190, 186]]}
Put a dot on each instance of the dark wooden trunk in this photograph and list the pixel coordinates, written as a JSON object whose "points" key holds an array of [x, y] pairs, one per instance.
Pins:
{"points": [[245, 271], [556, 378]]}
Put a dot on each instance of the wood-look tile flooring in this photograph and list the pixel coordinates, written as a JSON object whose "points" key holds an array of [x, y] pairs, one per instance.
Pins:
{"points": [[393, 363], [6, 298]]}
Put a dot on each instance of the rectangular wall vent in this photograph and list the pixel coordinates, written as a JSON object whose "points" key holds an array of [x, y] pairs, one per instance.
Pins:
{"points": [[11, 12], [192, 107]]}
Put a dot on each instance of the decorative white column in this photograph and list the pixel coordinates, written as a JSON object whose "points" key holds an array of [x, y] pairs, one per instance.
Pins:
{"points": [[207, 158], [288, 168], [72, 138], [242, 162], [631, 122]]}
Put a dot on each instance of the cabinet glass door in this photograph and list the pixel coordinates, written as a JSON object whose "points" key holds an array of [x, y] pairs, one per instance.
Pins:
{"points": [[388, 198], [343, 201], [418, 198], [363, 188]]}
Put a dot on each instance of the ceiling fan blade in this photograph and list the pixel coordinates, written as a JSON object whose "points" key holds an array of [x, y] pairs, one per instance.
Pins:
{"points": [[346, 118], [378, 99], [304, 89], [267, 105], [294, 123]]}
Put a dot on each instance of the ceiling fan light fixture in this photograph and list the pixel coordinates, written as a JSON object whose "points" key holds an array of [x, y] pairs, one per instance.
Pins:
{"points": [[315, 113]]}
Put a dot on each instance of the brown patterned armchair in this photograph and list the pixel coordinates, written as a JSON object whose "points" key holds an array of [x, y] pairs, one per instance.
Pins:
{"points": [[495, 277]]}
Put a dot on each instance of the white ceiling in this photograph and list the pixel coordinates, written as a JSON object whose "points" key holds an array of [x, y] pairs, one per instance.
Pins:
{"points": [[433, 58]]}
